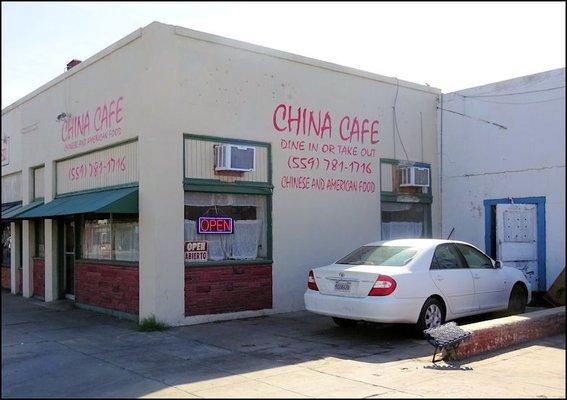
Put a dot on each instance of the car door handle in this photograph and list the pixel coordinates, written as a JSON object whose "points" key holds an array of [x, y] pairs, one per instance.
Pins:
{"points": [[476, 276], [439, 278]]}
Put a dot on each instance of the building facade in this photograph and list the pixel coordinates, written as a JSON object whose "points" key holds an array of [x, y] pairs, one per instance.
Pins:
{"points": [[113, 196], [503, 164]]}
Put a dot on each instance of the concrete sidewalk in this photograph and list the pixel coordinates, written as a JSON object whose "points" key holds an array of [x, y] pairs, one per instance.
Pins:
{"points": [[59, 351]]}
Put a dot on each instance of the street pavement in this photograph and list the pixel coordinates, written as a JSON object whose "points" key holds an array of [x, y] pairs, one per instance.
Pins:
{"points": [[57, 350]]}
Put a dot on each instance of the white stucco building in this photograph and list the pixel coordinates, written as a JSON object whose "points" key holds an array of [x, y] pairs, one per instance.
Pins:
{"points": [[503, 167], [109, 170]]}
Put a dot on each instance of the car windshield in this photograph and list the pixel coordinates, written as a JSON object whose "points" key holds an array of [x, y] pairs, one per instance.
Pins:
{"points": [[394, 256]]}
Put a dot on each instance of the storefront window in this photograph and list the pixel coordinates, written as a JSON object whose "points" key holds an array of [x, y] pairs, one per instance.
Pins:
{"points": [[6, 236], [404, 220], [247, 213], [40, 238], [111, 237], [125, 236]]}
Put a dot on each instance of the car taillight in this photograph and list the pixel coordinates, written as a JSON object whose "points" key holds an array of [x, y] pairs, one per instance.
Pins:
{"points": [[311, 281], [383, 286]]}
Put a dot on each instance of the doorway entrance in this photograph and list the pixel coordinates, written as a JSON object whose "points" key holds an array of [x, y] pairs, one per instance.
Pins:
{"points": [[515, 234], [69, 258]]}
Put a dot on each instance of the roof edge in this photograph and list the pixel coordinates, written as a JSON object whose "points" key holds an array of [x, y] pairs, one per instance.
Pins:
{"points": [[79, 67], [505, 81], [209, 37], [221, 40]]}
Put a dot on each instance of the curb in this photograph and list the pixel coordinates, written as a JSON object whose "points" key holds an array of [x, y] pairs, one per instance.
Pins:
{"points": [[504, 332]]}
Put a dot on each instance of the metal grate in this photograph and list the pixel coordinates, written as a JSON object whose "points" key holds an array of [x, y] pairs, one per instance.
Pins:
{"points": [[445, 337]]}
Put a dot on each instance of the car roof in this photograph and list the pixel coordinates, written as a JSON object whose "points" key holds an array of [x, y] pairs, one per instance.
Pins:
{"points": [[420, 243]]}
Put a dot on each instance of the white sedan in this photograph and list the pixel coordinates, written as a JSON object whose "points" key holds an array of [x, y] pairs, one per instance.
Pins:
{"points": [[415, 281]]}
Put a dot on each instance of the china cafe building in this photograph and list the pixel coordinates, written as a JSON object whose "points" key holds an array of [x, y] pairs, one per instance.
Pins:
{"points": [[196, 178]]}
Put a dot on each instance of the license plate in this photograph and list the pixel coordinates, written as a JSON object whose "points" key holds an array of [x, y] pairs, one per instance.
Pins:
{"points": [[342, 286]]}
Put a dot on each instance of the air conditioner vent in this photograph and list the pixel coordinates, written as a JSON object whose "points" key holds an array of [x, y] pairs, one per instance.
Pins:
{"points": [[230, 157], [414, 177]]}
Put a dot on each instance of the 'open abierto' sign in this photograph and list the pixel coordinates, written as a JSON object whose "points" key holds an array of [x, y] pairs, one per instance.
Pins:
{"points": [[196, 251], [209, 225]]}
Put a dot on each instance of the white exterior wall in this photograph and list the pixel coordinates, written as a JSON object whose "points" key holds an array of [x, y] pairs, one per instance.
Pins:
{"points": [[36, 136], [175, 81], [482, 161], [230, 89]]}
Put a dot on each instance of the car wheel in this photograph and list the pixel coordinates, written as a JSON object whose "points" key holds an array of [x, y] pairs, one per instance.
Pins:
{"points": [[518, 300], [345, 323], [432, 314]]}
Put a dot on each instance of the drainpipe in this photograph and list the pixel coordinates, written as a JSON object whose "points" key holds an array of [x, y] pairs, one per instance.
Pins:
{"points": [[441, 147], [441, 160]]}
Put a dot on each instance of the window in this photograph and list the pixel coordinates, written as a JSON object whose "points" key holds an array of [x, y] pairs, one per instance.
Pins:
{"points": [[395, 256], [40, 238], [249, 240], [404, 220], [475, 259], [446, 256], [6, 236], [111, 237]]}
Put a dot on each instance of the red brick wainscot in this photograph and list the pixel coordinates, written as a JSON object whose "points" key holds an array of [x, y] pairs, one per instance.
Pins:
{"points": [[227, 288], [39, 277], [6, 277], [106, 285]]}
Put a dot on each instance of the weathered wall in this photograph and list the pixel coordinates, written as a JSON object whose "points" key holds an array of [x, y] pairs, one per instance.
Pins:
{"points": [[163, 81], [509, 331], [483, 161], [96, 104], [218, 87]]}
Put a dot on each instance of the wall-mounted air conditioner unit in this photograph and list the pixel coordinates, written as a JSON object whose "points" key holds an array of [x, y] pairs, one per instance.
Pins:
{"points": [[414, 177], [230, 157]]}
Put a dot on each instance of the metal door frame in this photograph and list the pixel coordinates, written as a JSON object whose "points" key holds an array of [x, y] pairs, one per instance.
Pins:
{"points": [[540, 221]]}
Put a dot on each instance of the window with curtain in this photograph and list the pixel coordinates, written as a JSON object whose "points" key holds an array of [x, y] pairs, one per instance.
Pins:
{"points": [[6, 236], [111, 237], [40, 238], [404, 220], [249, 240]]}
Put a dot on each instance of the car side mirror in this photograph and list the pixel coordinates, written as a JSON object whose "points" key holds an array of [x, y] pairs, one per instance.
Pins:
{"points": [[497, 264]]}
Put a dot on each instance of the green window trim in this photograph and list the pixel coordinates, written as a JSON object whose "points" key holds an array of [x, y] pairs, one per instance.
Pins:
{"points": [[238, 187], [428, 228], [421, 198], [398, 198], [218, 186], [219, 139], [35, 197], [246, 189], [394, 196], [224, 263], [112, 263]]}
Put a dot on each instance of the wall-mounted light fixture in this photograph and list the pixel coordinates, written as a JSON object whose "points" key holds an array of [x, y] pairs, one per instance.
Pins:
{"points": [[61, 116]]}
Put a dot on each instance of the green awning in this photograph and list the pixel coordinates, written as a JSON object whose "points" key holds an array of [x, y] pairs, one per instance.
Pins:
{"points": [[7, 206], [119, 201], [13, 212]]}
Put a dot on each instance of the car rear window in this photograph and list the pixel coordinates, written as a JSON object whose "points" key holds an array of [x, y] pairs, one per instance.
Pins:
{"points": [[393, 256]]}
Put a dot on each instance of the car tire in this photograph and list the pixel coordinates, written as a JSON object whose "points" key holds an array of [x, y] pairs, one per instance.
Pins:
{"points": [[432, 314], [518, 300], [345, 323]]}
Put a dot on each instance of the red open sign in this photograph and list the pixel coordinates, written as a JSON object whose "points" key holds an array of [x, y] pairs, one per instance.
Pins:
{"points": [[215, 225]]}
